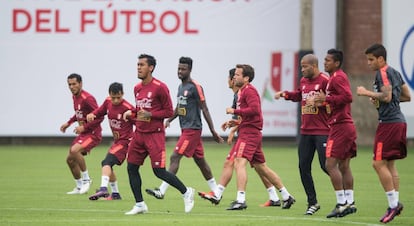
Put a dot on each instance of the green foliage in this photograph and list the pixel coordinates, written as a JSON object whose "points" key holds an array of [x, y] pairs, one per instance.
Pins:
{"points": [[35, 180]]}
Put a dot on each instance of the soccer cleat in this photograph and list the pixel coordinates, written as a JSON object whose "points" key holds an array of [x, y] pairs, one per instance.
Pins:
{"points": [[288, 202], [312, 209], [101, 193], [210, 196], [189, 199], [138, 208], [114, 196], [155, 192], [271, 203], [391, 213], [75, 191], [352, 208], [340, 210], [237, 205], [86, 184]]}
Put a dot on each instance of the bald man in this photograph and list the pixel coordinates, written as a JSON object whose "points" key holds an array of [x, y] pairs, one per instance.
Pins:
{"points": [[314, 128]]}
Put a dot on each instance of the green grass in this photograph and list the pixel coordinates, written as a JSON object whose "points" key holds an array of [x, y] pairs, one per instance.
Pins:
{"points": [[35, 179]]}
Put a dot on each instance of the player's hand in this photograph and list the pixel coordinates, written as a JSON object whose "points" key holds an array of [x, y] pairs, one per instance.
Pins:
{"points": [[224, 126], [126, 115], [218, 138], [361, 91], [230, 138], [79, 129], [278, 95], [144, 115], [90, 117], [233, 122], [64, 127], [229, 111], [167, 124]]}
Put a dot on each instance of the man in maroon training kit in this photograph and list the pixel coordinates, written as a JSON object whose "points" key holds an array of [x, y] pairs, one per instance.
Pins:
{"points": [[89, 134], [153, 105], [249, 143], [391, 135], [114, 106], [341, 145]]}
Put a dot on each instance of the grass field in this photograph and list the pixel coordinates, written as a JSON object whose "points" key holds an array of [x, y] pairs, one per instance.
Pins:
{"points": [[35, 179]]}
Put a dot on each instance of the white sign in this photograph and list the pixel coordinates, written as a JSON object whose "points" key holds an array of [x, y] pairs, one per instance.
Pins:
{"points": [[398, 35], [43, 41]]}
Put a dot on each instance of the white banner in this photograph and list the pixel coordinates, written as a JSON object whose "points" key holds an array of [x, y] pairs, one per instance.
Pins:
{"points": [[43, 41], [398, 35]]}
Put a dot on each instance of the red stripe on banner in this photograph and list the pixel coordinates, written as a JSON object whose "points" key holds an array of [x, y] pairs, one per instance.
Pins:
{"points": [[276, 71]]}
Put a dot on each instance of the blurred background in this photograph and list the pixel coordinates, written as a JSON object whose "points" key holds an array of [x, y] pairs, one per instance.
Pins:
{"points": [[43, 41]]}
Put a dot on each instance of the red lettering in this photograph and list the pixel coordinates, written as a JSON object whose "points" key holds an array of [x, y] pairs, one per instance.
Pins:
{"points": [[59, 29], [162, 22], [127, 14], [101, 22], [147, 24], [40, 20], [187, 30], [25, 26], [84, 20]]}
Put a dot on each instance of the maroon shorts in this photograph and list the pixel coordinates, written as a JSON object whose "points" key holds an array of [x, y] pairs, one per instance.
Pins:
{"points": [[390, 141], [144, 144], [341, 141], [87, 141], [190, 144], [249, 146], [119, 149]]}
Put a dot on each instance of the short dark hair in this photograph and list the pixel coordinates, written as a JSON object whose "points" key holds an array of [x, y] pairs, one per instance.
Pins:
{"points": [[231, 73], [116, 88], [77, 76], [377, 50], [337, 55], [188, 61], [247, 71], [150, 59]]}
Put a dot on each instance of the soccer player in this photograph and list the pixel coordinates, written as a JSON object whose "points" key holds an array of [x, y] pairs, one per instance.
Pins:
{"points": [[341, 146], [114, 106], [248, 147], [153, 105], [391, 136], [215, 196], [89, 134], [314, 128], [190, 102]]}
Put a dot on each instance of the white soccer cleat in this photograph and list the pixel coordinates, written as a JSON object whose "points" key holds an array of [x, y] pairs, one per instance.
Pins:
{"points": [[86, 184], [141, 208], [189, 199], [75, 191]]}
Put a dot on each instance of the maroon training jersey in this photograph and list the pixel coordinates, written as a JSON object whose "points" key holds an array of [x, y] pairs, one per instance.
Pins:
{"points": [[121, 129], [314, 120], [155, 98], [249, 108], [339, 98], [84, 104]]}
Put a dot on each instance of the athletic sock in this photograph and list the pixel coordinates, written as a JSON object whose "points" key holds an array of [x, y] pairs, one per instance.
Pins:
{"points": [[272, 194], [392, 198], [340, 197], [163, 187], [212, 184], [114, 186], [104, 181], [85, 175], [241, 196], [284, 193]]}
